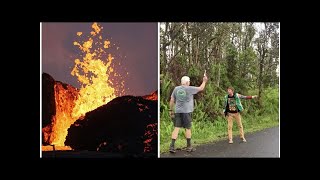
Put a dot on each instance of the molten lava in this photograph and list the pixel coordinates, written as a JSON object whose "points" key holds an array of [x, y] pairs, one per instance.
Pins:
{"points": [[58, 116], [127, 124], [65, 98], [93, 74], [92, 69], [153, 96]]}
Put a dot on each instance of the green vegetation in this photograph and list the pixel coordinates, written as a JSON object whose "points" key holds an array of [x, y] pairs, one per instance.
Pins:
{"points": [[237, 54]]}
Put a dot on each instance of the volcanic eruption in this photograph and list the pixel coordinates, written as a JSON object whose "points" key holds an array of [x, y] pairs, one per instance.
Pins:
{"points": [[93, 117]]}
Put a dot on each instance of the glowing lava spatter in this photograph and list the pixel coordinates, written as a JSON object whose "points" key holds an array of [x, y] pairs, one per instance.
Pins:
{"points": [[93, 70], [93, 74]]}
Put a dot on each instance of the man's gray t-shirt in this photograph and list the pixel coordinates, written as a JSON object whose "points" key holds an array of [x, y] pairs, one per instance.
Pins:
{"points": [[183, 96]]}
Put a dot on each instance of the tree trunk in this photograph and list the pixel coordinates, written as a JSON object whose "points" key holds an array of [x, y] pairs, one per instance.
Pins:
{"points": [[218, 80], [164, 47]]}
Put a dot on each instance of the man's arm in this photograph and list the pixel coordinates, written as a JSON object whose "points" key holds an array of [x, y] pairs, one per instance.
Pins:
{"points": [[203, 85], [171, 107], [247, 97], [171, 103]]}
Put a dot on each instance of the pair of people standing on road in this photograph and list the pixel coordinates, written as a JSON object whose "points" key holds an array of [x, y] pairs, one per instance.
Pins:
{"points": [[181, 108]]}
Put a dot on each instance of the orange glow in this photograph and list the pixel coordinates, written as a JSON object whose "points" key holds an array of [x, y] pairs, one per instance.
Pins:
{"points": [[153, 96], [96, 88], [151, 134], [93, 74], [57, 148], [106, 44], [65, 97], [96, 29]]}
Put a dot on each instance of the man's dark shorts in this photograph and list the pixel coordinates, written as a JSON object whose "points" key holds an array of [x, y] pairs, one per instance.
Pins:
{"points": [[182, 120]]}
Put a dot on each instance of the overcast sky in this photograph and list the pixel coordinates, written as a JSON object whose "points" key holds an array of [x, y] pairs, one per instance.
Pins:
{"points": [[137, 52]]}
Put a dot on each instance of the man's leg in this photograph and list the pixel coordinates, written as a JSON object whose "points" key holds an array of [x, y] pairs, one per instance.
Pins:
{"points": [[174, 136], [188, 137], [175, 132], [187, 123], [230, 123], [238, 119]]}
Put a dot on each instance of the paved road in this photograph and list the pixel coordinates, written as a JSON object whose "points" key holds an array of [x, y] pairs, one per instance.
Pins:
{"points": [[264, 143]]}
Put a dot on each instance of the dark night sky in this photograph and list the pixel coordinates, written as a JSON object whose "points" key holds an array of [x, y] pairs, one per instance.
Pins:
{"points": [[138, 52]]}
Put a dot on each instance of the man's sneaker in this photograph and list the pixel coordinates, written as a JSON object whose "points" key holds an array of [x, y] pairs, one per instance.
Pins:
{"points": [[230, 142], [190, 149], [172, 150], [244, 140]]}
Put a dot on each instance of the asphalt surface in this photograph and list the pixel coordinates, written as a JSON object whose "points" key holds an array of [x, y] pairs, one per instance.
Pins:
{"points": [[263, 143]]}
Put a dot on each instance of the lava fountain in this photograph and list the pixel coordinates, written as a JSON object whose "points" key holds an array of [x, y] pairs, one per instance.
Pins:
{"points": [[93, 74], [93, 69]]}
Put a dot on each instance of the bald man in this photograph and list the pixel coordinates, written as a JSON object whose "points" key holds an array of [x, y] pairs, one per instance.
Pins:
{"points": [[181, 107]]}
